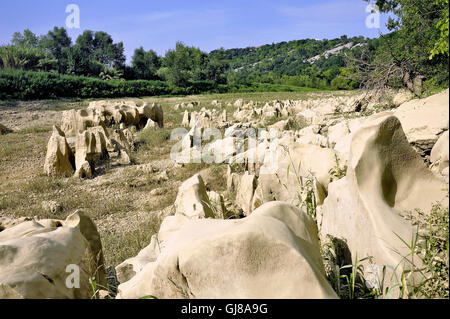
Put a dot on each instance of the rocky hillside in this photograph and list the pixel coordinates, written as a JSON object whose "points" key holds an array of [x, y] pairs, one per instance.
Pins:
{"points": [[290, 58], [310, 197]]}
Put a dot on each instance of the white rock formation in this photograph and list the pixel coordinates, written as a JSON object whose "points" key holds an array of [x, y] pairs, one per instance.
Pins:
{"points": [[192, 200], [38, 259], [385, 177], [59, 160], [273, 253]]}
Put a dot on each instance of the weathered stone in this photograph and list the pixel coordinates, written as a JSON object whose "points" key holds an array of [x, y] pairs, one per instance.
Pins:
{"points": [[52, 207], [439, 153], [37, 257], [153, 112], [192, 200], [217, 204], [273, 253], [385, 177], [402, 96], [245, 190], [85, 151], [296, 164], [337, 132], [130, 267], [102, 142], [77, 121], [423, 120], [59, 160], [186, 119]]}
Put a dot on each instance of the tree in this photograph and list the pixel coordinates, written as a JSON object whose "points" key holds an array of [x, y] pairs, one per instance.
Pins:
{"points": [[26, 53], [145, 64], [106, 52], [404, 55], [15, 57], [110, 74], [92, 52], [217, 67], [183, 65], [58, 43], [27, 39], [441, 46]]}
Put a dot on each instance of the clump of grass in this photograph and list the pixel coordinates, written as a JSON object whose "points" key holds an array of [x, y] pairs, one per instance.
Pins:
{"points": [[216, 179], [306, 195], [14, 145], [337, 172], [153, 145], [35, 129], [119, 247], [89, 202], [428, 258], [345, 276], [161, 202], [44, 184]]}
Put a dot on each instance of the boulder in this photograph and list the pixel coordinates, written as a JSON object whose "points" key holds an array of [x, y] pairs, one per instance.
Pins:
{"points": [[439, 153], [217, 204], [337, 132], [401, 97], [112, 112], [124, 158], [102, 142], [283, 125], [130, 267], [186, 119], [273, 253], [239, 103], [153, 112], [385, 177], [314, 139], [245, 190], [76, 121], [85, 151], [423, 120], [233, 180], [151, 125], [37, 257], [85, 170], [59, 160], [121, 141], [297, 163], [192, 200], [52, 207]]}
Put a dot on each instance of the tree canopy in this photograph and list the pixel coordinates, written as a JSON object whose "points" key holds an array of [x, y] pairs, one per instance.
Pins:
{"points": [[415, 49]]}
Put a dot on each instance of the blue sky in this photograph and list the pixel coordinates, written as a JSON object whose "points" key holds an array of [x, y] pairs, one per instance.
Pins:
{"points": [[208, 25]]}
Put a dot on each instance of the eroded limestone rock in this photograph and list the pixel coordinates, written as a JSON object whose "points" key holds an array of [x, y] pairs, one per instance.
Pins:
{"points": [[36, 258], [273, 253], [59, 160], [385, 177]]}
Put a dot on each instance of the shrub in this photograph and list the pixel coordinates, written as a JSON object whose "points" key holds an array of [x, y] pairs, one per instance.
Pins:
{"points": [[43, 85]]}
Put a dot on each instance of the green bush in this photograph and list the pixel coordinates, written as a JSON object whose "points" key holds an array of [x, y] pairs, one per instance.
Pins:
{"points": [[43, 85], [29, 85]]}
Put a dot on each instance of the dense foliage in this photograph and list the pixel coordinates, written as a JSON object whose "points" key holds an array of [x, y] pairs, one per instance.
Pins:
{"points": [[415, 50], [27, 85], [299, 62]]}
